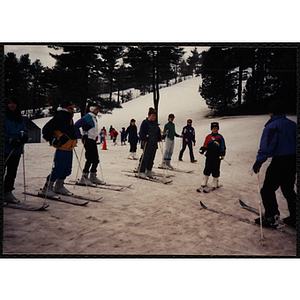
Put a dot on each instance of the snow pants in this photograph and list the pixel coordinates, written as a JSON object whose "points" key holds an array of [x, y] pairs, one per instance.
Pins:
{"points": [[133, 147], [11, 167], [169, 149], [147, 159], [190, 145], [62, 164], [212, 166], [280, 173], [91, 155]]}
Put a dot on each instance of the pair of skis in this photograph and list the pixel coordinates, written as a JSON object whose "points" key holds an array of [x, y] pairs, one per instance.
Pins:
{"points": [[106, 186], [158, 178], [252, 222]]}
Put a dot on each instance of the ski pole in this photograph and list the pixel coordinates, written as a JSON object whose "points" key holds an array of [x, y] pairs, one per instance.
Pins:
{"points": [[24, 180], [9, 156], [81, 170], [260, 213], [100, 165], [48, 182], [141, 159], [79, 163], [226, 161]]}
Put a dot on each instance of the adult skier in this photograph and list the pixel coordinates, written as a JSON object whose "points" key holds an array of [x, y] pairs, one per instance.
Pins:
{"points": [[150, 135], [279, 141], [15, 136], [131, 131], [89, 137], [170, 133], [60, 133]]}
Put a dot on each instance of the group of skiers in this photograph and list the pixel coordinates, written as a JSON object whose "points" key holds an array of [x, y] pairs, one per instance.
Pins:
{"points": [[278, 141]]}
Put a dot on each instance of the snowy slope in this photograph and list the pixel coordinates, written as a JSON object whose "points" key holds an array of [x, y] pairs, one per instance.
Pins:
{"points": [[151, 218]]}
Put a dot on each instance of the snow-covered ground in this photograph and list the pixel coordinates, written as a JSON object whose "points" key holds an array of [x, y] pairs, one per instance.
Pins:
{"points": [[151, 218]]}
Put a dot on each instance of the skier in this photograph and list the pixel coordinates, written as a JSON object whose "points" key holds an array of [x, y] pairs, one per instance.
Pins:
{"points": [[188, 133], [89, 125], [15, 136], [60, 134], [102, 135], [150, 136], [123, 136], [114, 133], [131, 131], [214, 146], [279, 141], [170, 133]]}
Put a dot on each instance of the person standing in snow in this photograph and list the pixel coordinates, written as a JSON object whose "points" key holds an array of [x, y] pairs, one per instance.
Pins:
{"points": [[89, 137], [123, 136], [114, 133], [102, 135], [214, 146], [170, 133], [150, 136], [60, 133], [110, 130], [15, 136], [279, 141], [188, 133], [131, 131]]}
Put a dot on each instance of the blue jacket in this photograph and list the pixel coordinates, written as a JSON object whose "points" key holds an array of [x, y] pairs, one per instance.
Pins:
{"points": [[145, 128], [279, 138], [188, 132], [131, 131], [12, 130], [89, 125]]}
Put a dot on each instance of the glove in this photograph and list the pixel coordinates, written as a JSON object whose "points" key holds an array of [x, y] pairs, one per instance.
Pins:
{"points": [[202, 150], [146, 138], [14, 143], [23, 137], [163, 136], [221, 157], [60, 141], [84, 137], [256, 167]]}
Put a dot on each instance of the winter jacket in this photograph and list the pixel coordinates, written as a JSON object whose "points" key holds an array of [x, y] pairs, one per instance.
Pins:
{"points": [[214, 145], [114, 133], [131, 131], [144, 129], [188, 132], [89, 125], [171, 127], [279, 138], [12, 130], [61, 127]]}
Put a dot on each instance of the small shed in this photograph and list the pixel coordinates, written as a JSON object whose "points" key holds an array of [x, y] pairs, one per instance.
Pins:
{"points": [[34, 131]]}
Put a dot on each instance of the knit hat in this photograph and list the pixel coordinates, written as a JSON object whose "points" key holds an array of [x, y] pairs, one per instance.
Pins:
{"points": [[214, 124]]}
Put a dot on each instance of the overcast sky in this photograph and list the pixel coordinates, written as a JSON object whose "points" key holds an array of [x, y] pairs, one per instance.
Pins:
{"points": [[42, 52]]}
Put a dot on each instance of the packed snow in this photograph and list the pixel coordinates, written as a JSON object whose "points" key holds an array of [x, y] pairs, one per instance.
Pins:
{"points": [[151, 218]]}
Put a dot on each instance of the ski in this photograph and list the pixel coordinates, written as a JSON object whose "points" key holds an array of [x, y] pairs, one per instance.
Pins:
{"points": [[60, 199], [81, 197], [98, 186], [154, 179], [256, 211], [208, 189], [26, 206], [243, 219], [155, 174], [175, 170]]}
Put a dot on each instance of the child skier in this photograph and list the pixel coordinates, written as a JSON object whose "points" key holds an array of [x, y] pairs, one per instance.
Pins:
{"points": [[123, 136], [214, 146], [114, 134], [89, 125]]}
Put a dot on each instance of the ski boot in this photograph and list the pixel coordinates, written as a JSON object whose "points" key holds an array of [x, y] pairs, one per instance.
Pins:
{"points": [[10, 198], [95, 180], [84, 180], [48, 190], [59, 187]]}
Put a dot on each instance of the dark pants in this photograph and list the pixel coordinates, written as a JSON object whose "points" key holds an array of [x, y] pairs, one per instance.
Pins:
{"points": [[11, 171], [91, 155], [212, 166], [190, 145], [62, 165], [132, 147], [148, 156], [280, 173]]}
